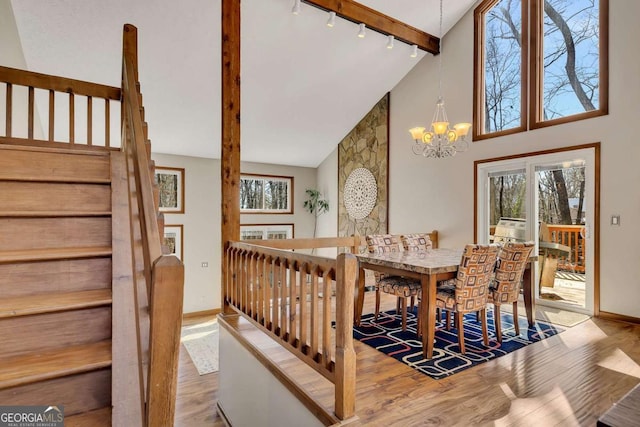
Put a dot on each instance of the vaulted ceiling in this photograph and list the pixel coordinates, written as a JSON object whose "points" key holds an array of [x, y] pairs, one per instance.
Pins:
{"points": [[304, 85]]}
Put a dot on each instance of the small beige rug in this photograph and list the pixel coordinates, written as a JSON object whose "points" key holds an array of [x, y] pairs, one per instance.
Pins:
{"points": [[549, 314], [201, 342]]}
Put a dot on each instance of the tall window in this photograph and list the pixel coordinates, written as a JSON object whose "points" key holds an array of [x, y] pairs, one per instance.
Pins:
{"points": [[564, 68], [265, 194]]}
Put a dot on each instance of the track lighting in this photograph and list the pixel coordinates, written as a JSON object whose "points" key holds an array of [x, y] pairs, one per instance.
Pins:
{"points": [[361, 33], [414, 50], [390, 39], [332, 19], [296, 7]]}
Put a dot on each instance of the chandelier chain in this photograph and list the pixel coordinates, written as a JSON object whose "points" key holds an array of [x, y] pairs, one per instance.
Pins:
{"points": [[440, 55]]}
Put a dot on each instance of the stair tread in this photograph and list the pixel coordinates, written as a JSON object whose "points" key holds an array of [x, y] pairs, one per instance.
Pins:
{"points": [[53, 254], [30, 368], [52, 302], [96, 418]]}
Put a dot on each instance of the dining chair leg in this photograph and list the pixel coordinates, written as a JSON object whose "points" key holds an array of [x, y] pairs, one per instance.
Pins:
{"points": [[458, 320], [419, 327], [404, 313], [413, 302], [515, 317], [398, 308], [446, 320], [377, 302], [497, 322], [485, 332]]}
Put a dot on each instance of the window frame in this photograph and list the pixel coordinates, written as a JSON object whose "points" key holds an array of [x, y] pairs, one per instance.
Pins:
{"points": [[532, 71], [265, 177], [537, 68], [478, 74], [289, 228]]}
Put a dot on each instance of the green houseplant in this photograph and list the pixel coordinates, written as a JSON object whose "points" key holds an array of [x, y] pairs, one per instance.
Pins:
{"points": [[315, 205]]}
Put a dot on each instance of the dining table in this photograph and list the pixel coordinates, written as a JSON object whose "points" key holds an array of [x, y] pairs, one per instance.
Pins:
{"points": [[429, 267]]}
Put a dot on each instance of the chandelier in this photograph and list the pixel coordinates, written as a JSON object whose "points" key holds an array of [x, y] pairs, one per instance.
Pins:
{"points": [[440, 140]]}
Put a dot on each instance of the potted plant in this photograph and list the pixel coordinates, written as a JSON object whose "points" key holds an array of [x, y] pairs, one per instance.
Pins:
{"points": [[316, 206]]}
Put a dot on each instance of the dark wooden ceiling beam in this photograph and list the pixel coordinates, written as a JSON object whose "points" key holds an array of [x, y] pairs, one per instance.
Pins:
{"points": [[374, 20]]}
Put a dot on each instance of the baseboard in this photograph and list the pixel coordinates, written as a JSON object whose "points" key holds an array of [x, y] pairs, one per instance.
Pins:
{"points": [[194, 314], [220, 411], [618, 317]]}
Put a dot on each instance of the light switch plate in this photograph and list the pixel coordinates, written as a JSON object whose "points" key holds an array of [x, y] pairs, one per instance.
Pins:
{"points": [[615, 220], [205, 264]]}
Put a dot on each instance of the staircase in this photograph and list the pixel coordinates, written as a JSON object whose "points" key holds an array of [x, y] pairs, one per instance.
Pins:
{"points": [[55, 280], [90, 309]]}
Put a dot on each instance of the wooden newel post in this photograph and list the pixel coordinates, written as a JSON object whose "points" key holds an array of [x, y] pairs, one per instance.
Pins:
{"points": [[347, 270], [165, 310]]}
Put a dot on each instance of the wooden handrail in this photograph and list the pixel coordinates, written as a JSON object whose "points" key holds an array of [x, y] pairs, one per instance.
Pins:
{"points": [[158, 279], [279, 292], [352, 242], [58, 84]]}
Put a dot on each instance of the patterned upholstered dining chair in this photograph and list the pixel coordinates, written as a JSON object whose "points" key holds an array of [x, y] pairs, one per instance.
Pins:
{"points": [[469, 290], [505, 286], [416, 242], [398, 286]]}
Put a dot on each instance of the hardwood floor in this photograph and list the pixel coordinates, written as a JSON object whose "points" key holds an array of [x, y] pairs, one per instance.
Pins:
{"points": [[569, 379], [197, 395]]}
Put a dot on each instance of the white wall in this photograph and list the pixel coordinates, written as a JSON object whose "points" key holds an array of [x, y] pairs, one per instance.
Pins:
{"points": [[11, 55], [441, 191], [202, 221], [250, 395], [201, 231], [327, 177]]}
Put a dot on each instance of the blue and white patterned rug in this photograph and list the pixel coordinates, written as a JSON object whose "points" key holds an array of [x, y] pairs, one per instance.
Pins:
{"points": [[386, 335]]}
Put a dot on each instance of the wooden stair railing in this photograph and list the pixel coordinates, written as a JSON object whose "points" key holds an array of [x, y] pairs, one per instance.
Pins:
{"points": [[158, 279], [57, 88]]}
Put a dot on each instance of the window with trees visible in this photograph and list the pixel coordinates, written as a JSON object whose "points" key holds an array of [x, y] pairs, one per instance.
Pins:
{"points": [[266, 194], [553, 50]]}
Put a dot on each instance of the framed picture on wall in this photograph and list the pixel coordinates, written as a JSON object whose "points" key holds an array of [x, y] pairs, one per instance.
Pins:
{"points": [[171, 184], [266, 231], [173, 240]]}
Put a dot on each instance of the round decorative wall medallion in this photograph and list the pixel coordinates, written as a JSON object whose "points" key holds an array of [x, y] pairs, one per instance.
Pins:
{"points": [[360, 193]]}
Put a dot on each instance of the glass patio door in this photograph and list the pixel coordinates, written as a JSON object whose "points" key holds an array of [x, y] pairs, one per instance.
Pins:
{"points": [[558, 191]]}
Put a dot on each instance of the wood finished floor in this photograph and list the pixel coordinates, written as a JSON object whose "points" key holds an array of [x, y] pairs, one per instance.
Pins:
{"points": [[569, 379]]}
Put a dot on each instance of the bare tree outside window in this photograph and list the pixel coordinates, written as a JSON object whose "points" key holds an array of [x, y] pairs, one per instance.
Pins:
{"points": [[265, 194], [569, 40]]}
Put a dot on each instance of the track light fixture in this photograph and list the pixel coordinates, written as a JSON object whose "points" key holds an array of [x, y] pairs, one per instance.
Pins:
{"points": [[390, 39], [414, 51], [332, 19], [296, 7], [361, 33]]}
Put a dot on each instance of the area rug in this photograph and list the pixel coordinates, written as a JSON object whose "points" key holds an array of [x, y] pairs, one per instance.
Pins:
{"points": [[386, 335], [201, 342]]}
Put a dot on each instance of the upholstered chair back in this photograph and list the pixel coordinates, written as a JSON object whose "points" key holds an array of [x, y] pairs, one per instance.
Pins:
{"points": [[512, 260], [383, 243], [474, 275], [416, 242]]}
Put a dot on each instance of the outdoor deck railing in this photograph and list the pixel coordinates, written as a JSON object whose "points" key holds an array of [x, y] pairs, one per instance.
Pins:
{"points": [[568, 235]]}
